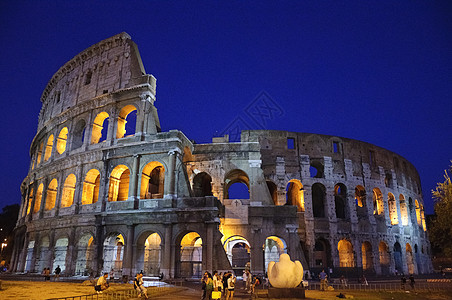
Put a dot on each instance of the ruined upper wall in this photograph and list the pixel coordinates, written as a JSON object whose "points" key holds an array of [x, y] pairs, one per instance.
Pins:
{"points": [[108, 66]]}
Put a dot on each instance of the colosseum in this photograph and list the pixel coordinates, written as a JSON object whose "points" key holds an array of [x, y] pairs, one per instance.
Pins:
{"points": [[108, 190]]}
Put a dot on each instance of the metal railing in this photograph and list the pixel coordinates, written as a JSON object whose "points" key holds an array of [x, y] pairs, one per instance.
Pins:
{"points": [[386, 286]]}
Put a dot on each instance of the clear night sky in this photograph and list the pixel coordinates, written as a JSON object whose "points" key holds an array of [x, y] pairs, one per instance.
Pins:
{"points": [[376, 71]]}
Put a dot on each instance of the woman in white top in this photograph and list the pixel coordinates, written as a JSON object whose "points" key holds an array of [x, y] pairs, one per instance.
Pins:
{"points": [[231, 286]]}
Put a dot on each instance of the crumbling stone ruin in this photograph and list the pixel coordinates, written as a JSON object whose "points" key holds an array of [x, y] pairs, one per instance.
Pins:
{"points": [[108, 190]]}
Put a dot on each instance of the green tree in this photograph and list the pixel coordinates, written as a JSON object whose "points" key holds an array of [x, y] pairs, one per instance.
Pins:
{"points": [[441, 228]]}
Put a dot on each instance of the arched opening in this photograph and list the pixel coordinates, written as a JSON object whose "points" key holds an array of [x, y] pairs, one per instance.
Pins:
{"points": [[126, 121], [43, 255], [392, 209], [113, 253], [91, 187], [191, 256], [418, 213], [273, 248], [273, 190], [378, 202], [346, 257], [152, 181], [30, 200], [403, 210], [424, 226], [49, 147], [316, 169], [238, 249], [100, 128], [202, 185], [340, 200], [78, 134], [398, 257], [85, 255], [51, 194], [67, 198], [409, 259], [119, 184], [367, 257], [29, 257], [60, 253], [236, 185], [38, 198], [62, 141], [385, 260], [360, 201], [152, 255], [40, 153], [295, 194], [318, 200], [321, 253]]}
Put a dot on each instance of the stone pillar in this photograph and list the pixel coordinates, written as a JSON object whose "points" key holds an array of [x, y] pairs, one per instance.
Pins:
{"points": [[78, 188], [103, 189], [166, 254], [71, 254], [209, 248], [32, 205], [133, 186], [148, 123], [23, 254], [127, 261], [35, 250], [51, 249], [257, 253], [99, 245], [59, 193], [171, 192], [43, 197]]}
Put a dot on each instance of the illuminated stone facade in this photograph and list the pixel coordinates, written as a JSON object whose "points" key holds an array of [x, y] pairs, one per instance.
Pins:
{"points": [[106, 189]]}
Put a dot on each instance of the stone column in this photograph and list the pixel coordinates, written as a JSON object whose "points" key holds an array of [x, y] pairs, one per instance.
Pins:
{"points": [[209, 248], [78, 188], [133, 186], [103, 189], [147, 125], [171, 192], [166, 254], [71, 254], [32, 205], [35, 250], [257, 253], [51, 249], [99, 246], [43, 197], [127, 262], [59, 194]]}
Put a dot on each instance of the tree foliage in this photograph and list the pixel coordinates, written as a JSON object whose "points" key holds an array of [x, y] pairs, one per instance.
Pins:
{"points": [[441, 228]]}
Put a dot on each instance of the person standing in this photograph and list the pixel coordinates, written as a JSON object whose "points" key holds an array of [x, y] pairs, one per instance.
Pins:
{"points": [[209, 286], [139, 287], [57, 273], [323, 279], [231, 287], [412, 281]]}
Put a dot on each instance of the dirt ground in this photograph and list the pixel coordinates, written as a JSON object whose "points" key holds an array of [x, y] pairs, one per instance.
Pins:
{"points": [[39, 290]]}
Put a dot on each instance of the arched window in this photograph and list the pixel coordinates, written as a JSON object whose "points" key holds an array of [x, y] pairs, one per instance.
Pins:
{"points": [[40, 153], [78, 134], [51, 194], [100, 128], [91, 186], [378, 202], [273, 189], [385, 259], [403, 210], [202, 185], [318, 200], [49, 146], [126, 121], [418, 213], [62, 140], [340, 200], [316, 169], [367, 257], [67, 199], [30, 200], [38, 198], [392, 209], [191, 255], [321, 253], [346, 257], [409, 259], [295, 194], [360, 196], [236, 185], [119, 184], [152, 181]]}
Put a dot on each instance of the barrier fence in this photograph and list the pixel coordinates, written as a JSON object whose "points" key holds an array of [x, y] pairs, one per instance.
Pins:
{"points": [[387, 286]]}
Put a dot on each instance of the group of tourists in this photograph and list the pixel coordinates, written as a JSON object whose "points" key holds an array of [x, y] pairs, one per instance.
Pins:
{"points": [[46, 273], [218, 286]]}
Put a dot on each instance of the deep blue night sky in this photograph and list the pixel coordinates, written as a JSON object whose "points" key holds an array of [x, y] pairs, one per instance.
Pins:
{"points": [[376, 71]]}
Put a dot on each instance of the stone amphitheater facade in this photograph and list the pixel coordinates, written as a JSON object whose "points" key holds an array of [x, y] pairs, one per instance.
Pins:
{"points": [[108, 190]]}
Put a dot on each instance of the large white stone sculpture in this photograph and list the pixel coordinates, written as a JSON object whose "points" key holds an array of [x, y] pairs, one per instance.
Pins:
{"points": [[285, 273]]}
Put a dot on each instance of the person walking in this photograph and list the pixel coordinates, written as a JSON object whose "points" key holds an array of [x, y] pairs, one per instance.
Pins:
{"points": [[139, 287], [57, 273], [323, 280]]}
